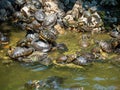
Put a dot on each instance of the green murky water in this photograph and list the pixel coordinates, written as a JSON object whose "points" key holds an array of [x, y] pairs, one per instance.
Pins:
{"points": [[99, 76]]}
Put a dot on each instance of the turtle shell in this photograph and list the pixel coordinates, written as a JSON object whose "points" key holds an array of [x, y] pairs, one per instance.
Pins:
{"points": [[39, 15], [50, 20], [47, 35]]}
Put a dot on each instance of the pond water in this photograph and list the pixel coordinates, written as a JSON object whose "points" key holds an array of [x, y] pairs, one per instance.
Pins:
{"points": [[99, 76]]}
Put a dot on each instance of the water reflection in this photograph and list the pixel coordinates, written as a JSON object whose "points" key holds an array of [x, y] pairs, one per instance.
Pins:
{"points": [[94, 78], [99, 79], [100, 87], [35, 67]]}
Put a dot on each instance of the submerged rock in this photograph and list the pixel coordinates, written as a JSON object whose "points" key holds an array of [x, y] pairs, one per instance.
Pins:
{"points": [[53, 82]]}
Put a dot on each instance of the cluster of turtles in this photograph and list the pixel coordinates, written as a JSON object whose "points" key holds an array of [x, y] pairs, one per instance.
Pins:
{"points": [[97, 53], [44, 20], [39, 19], [34, 48], [38, 15]]}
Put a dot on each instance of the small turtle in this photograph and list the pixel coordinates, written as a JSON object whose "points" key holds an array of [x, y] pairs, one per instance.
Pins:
{"points": [[54, 31], [105, 46], [96, 52], [36, 24], [39, 15], [84, 42], [71, 58], [115, 43], [46, 61], [62, 59], [50, 20], [41, 46], [18, 16], [19, 52], [22, 43], [33, 84], [115, 34], [4, 39], [75, 10], [47, 35], [66, 59], [39, 57], [81, 61], [33, 24], [88, 56], [30, 36], [61, 47]]}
